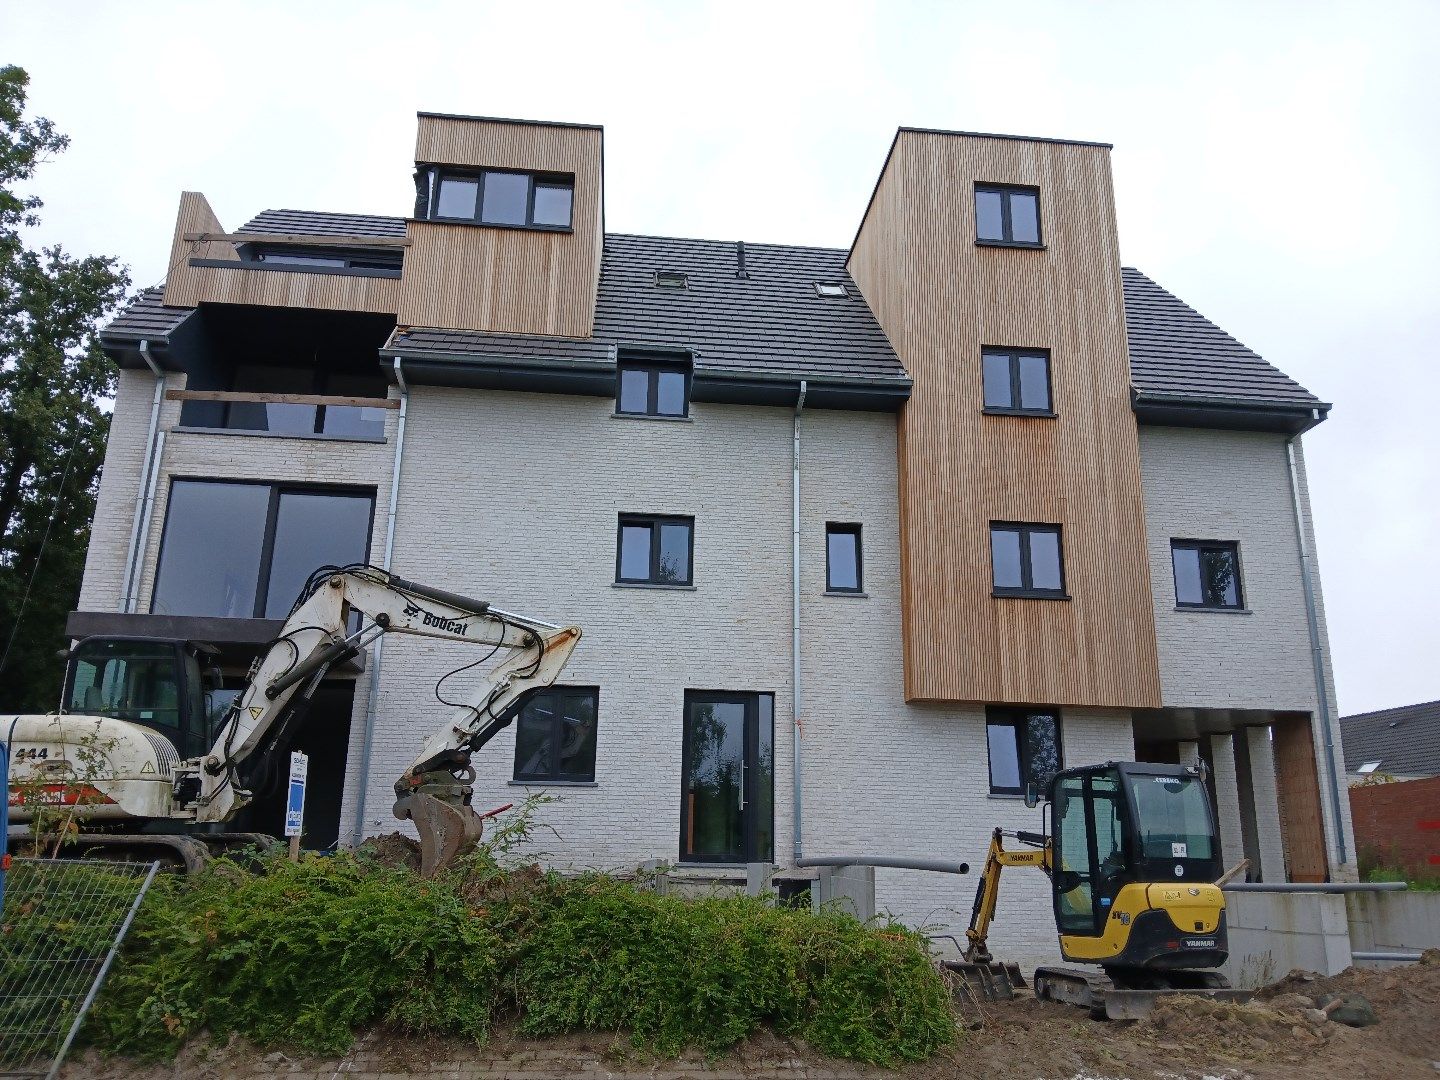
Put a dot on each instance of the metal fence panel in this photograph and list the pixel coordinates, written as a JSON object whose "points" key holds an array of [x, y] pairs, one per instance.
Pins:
{"points": [[62, 924]]}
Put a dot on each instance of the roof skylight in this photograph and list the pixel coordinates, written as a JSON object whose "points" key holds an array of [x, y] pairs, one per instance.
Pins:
{"points": [[835, 289], [671, 279]]}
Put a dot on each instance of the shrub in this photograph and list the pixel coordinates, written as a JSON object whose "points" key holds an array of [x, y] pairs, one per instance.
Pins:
{"points": [[300, 952], [304, 953]]}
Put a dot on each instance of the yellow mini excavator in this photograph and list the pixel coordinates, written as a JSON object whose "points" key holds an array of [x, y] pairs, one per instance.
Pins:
{"points": [[1134, 867]]}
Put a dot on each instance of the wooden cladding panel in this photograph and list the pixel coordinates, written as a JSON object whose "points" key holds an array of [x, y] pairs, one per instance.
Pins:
{"points": [[517, 281], [1302, 821], [941, 298], [188, 286], [501, 144]]}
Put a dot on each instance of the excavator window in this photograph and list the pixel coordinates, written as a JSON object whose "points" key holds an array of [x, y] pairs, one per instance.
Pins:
{"points": [[139, 681], [1175, 834], [1091, 849]]}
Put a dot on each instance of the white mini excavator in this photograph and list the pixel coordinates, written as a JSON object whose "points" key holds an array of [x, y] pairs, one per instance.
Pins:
{"points": [[111, 752]]}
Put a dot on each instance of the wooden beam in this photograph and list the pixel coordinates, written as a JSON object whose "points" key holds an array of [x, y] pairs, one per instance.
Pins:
{"points": [[301, 239], [280, 399]]}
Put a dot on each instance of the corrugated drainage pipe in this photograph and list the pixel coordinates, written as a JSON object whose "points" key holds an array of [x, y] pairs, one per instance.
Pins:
{"points": [[1317, 652], [796, 814], [368, 739], [145, 495]]}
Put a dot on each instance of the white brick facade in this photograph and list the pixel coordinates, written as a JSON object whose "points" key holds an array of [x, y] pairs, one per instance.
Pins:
{"points": [[1204, 484], [515, 497]]}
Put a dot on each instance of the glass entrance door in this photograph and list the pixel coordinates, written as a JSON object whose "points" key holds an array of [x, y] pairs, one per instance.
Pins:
{"points": [[728, 768]]}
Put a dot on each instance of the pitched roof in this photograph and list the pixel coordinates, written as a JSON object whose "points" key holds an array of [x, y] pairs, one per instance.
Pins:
{"points": [[773, 323], [1406, 740], [1175, 352], [770, 322], [145, 317], [324, 223]]}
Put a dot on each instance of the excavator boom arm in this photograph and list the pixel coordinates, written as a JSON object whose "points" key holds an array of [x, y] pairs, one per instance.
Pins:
{"points": [[315, 637]]}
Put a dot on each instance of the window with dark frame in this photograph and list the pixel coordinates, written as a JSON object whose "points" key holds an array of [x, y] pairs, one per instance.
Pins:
{"points": [[652, 388], [1024, 746], [1207, 573], [1016, 381], [654, 550], [522, 200], [555, 735], [843, 565], [1007, 214], [244, 550], [1027, 560]]}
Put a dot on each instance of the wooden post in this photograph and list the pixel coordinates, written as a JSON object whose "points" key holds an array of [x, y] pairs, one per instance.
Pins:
{"points": [[294, 849]]}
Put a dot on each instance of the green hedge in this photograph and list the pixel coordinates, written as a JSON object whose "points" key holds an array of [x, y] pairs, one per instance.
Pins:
{"points": [[305, 953]]}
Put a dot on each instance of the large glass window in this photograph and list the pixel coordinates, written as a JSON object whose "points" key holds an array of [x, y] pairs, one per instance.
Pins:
{"points": [[1024, 748], [1009, 215], [654, 550], [505, 197], [242, 550], [555, 735], [1027, 560], [1207, 573], [1016, 381]]}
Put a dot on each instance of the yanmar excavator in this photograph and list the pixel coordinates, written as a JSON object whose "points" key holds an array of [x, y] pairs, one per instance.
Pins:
{"points": [[114, 756], [1134, 867]]}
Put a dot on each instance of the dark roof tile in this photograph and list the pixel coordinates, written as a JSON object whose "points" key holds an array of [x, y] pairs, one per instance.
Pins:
{"points": [[146, 317], [1177, 352], [1406, 740], [321, 223]]}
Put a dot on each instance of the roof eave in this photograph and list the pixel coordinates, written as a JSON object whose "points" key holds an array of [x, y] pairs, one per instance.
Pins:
{"points": [[1218, 411]]}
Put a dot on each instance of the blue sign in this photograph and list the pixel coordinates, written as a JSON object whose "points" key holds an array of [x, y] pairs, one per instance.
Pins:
{"points": [[295, 803]]}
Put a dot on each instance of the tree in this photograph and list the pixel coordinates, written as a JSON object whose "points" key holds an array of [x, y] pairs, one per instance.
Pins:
{"points": [[54, 382]]}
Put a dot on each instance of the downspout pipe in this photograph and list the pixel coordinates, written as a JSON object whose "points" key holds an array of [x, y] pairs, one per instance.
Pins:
{"points": [[1317, 650], [368, 739], [145, 496], [796, 804]]}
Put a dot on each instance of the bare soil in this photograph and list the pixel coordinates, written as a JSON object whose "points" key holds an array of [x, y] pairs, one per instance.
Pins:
{"points": [[1279, 1036]]}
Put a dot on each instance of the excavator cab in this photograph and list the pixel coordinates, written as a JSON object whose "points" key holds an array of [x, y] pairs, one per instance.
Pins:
{"points": [[1133, 859], [155, 683]]}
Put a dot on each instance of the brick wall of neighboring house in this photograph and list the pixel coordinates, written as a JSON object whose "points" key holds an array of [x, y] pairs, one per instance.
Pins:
{"points": [[1399, 824]]}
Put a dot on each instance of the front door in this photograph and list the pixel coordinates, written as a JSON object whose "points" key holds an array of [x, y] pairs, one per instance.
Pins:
{"points": [[728, 778]]}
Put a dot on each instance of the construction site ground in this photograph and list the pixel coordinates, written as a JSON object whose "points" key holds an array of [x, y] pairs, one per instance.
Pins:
{"points": [[1277, 1037]]}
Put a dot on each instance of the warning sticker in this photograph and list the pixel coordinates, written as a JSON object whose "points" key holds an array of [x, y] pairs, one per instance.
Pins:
{"points": [[255, 712], [146, 768]]}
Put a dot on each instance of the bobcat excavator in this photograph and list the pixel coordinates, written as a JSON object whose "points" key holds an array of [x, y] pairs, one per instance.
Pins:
{"points": [[115, 760], [1134, 868]]}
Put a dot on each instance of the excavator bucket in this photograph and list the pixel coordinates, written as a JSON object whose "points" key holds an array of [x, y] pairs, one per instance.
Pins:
{"points": [[446, 831], [992, 981]]}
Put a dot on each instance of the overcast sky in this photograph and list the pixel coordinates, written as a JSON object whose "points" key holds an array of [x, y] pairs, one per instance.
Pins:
{"points": [[1276, 165]]}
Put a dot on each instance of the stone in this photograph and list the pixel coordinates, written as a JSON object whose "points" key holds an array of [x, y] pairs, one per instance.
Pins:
{"points": [[1353, 1010]]}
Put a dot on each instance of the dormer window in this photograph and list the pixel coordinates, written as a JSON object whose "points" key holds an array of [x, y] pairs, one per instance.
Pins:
{"points": [[831, 289], [505, 197], [671, 279]]}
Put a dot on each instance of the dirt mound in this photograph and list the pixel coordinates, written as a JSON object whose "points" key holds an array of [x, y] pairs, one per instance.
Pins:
{"points": [[1406, 1000], [393, 849]]}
